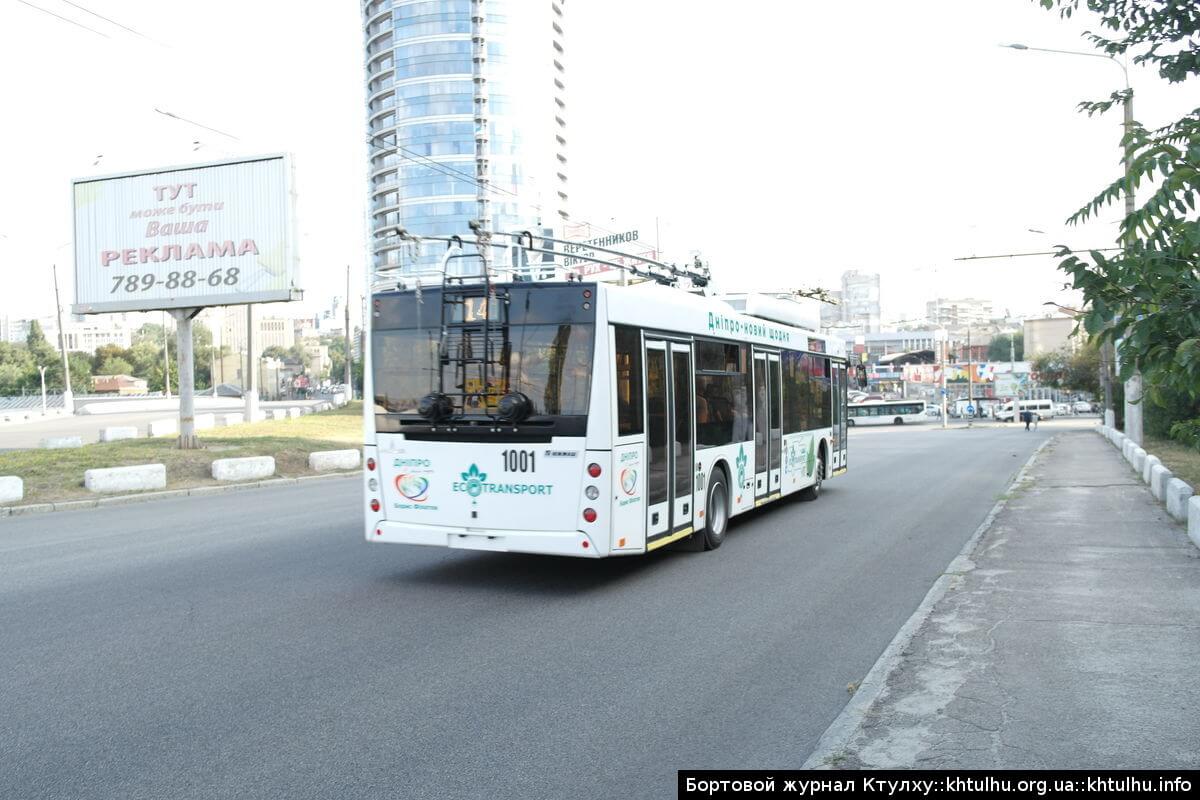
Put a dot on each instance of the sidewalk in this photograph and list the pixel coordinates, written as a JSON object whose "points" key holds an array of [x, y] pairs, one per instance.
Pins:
{"points": [[1069, 639]]}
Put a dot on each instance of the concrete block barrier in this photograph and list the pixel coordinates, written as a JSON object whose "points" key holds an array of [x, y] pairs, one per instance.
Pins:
{"points": [[61, 442], [243, 469], [1119, 441], [225, 420], [1179, 494], [327, 460], [1193, 519], [12, 489], [116, 434], [1151, 463], [339, 399], [126, 479], [204, 422], [293, 412], [1159, 476], [1138, 458], [276, 413], [164, 427]]}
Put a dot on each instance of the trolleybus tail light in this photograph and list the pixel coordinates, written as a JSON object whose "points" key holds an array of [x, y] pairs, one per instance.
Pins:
{"points": [[594, 470], [589, 515], [585, 544], [374, 505], [371, 464]]}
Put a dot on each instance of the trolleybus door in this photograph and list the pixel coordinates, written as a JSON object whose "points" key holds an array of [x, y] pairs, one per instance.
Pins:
{"points": [[670, 438], [774, 423]]}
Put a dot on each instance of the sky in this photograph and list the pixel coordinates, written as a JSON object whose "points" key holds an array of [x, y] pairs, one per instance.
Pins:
{"points": [[785, 145]]}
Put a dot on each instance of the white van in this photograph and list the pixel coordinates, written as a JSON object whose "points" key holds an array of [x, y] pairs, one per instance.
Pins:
{"points": [[1044, 409]]}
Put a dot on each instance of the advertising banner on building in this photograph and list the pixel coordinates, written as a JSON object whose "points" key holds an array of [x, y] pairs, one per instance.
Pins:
{"points": [[184, 237]]}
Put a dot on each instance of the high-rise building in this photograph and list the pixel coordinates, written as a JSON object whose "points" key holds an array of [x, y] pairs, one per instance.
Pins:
{"points": [[860, 300], [430, 129], [946, 312]]}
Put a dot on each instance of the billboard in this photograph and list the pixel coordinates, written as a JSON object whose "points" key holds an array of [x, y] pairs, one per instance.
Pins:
{"points": [[185, 237], [584, 237]]}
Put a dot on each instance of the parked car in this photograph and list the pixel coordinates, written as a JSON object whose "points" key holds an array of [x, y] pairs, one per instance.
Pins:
{"points": [[1083, 407], [1062, 409], [227, 390]]}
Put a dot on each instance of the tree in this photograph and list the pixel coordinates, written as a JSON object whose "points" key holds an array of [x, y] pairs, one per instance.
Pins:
{"points": [[1078, 371], [1151, 288], [115, 365], [998, 350], [106, 352]]}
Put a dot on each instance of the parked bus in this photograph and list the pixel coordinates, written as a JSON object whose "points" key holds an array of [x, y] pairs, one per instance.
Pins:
{"points": [[1044, 409], [886, 412], [588, 419]]}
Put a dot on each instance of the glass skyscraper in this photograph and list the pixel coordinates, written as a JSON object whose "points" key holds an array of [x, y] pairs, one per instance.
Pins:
{"points": [[421, 119]]}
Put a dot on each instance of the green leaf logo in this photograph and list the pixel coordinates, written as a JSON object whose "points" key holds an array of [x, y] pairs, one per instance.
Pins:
{"points": [[741, 465], [474, 480]]}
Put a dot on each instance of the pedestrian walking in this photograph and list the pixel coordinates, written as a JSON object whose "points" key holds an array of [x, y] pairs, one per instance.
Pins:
{"points": [[1026, 417], [1036, 418]]}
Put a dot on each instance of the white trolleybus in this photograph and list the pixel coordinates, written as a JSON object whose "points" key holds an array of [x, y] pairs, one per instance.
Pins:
{"points": [[587, 419], [886, 412]]}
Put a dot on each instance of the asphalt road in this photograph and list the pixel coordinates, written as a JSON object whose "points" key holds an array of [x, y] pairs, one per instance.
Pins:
{"points": [[252, 644]]}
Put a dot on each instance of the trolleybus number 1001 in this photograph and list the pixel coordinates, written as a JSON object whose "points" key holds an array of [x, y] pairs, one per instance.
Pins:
{"points": [[518, 460]]}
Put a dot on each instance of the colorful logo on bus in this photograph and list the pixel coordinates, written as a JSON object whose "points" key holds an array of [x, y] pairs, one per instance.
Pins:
{"points": [[629, 480], [741, 465], [414, 487]]}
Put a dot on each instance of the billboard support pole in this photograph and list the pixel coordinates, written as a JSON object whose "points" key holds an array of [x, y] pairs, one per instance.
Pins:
{"points": [[185, 361], [250, 384]]}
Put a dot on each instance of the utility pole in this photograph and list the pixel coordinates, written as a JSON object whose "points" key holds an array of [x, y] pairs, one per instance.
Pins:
{"points": [[943, 340], [68, 398], [970, 380], [1133, 386], [349, 375]]}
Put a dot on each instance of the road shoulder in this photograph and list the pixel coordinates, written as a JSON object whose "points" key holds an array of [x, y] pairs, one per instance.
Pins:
{"points": [[1064, 635]]}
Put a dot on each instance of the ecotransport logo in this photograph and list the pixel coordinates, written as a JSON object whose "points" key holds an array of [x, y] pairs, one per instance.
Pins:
{"points": [[629, 480], [475, 483]]}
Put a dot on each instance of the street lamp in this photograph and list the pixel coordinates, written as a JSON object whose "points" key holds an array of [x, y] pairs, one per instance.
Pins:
{"points": [[1133, 387], [42, 370]]}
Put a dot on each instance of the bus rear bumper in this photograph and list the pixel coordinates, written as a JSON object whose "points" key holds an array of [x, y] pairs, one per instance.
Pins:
{"points": [[558, 543]]}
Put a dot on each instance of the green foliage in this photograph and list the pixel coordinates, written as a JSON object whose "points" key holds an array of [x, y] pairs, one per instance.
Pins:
{"points": [[1187, 432], [1151, 288], [115, 365], [999, 349], [1167, 408], [1079, 371]]}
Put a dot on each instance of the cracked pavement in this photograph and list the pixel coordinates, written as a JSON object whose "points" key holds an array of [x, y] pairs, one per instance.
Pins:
{"points": [[1071, 639]]}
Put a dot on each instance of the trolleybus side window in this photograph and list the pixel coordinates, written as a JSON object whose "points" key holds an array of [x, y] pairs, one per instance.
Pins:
{"points": [[628, 344], [722, 394], [683, 422], [823, 396]]}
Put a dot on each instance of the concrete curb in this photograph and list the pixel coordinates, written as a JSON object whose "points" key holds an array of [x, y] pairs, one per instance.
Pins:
{"points": [[1172, 492], [838, 734], [170, 494]]}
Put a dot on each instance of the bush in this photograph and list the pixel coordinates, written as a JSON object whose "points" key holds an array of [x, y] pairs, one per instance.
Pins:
{"points": [[1165, 408], [1187, 433]]}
